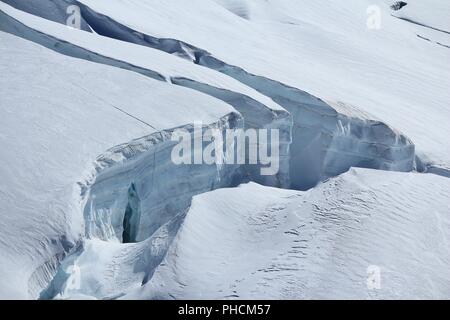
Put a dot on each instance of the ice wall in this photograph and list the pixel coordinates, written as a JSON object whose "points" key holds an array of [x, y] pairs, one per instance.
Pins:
{"points": [[325, 141], [256, 114], [162, 188], [328, 140]]}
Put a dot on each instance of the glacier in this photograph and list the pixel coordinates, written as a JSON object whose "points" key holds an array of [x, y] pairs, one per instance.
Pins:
{"points": [[95, 208]]}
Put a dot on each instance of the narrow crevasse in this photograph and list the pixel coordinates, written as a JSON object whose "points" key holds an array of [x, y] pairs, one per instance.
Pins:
{"points": [[132, 216]]}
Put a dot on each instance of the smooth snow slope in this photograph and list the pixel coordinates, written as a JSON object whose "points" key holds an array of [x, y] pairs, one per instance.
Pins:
{"points": [[165, 64], [259, 242], [322, 47], [432, 17], [58, 114], [431, 13]]}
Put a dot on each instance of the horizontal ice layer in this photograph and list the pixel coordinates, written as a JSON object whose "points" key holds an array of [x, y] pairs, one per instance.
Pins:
{"points": [[58, 114], [324, 48], [255, 242]]}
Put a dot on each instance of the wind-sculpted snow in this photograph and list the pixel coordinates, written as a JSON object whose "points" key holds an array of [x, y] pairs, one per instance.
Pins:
{"points": [[264, 243]]}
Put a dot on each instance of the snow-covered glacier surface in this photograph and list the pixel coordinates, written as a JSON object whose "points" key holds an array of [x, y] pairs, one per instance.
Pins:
{"points": [[94, 207], [315, 244]]}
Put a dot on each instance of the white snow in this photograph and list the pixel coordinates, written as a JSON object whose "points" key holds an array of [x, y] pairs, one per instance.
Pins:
{"points": [[431, 13], [148, 58]]}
